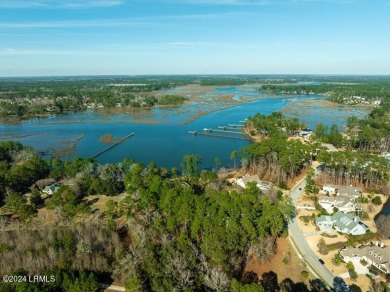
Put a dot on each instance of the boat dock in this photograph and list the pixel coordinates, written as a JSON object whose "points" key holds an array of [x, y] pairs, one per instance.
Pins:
{"points": [[220, 134], [231, 131], [113, 145], [222, 131], [229, 128]]}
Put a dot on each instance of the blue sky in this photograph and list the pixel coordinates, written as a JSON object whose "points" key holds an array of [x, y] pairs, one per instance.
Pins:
{"points": [[94, 37]]}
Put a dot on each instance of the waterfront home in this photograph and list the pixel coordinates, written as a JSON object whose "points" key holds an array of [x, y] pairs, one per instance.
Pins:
{"points": [[386, 155], [51, 189], [343, 203], [262, 185], [342, 190], [376, 255], [305, 133], [344, 223]]}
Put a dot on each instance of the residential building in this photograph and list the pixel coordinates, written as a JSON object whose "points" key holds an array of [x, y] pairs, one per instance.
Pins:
{"points": [[344, 223], [386, 155], [305, 133], [376, 255], [343, 203], [51, 189], [342, 190], [262, 185]]}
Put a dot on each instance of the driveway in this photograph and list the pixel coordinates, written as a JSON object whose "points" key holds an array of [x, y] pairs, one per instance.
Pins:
{"points": [[330, 147], [306, 234]]}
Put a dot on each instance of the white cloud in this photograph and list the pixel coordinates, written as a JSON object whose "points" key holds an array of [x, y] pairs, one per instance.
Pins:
{"points": [[65, 4]]}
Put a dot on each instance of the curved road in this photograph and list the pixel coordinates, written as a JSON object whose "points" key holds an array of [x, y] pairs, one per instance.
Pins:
{"points": [[304, 249]]}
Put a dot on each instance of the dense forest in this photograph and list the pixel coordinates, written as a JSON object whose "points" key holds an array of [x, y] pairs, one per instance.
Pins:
{"points": [[273, 124], [356, 168], [365, 139], [191, 231], [371, 134], [276, 157]]}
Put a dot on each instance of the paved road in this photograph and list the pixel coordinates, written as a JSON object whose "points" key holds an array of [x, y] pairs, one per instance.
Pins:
{"points": [[298, 238]]}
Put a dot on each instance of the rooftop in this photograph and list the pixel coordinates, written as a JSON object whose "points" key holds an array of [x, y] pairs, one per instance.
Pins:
{"points": [[375, 253], [346, 190]]}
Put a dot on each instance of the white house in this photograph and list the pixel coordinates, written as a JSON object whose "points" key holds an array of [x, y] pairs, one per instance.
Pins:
{"points": [[343, 203], [343, 223], [386, 155], [376, 255], [51, 189], [262, 185], [305, 132]]}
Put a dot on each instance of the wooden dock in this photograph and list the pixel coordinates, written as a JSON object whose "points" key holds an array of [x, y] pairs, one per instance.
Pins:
{"points": [[223, 131], [229, 128], [221, 135], [113, 145]]}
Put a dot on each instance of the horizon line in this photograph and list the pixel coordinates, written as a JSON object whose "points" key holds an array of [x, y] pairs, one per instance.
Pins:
{"points": [[201, 74]]}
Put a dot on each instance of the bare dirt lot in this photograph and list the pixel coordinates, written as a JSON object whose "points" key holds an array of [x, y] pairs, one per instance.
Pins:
{"points": [[291, 270]]}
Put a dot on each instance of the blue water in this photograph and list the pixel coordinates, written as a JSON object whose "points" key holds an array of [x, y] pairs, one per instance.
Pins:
{"points": [[166, 142], [386, 208]]}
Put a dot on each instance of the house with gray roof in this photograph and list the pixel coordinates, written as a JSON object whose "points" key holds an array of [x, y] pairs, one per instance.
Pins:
{"points": [[51, 189], [344, 223], [351, 191], [343, 203], [262, 185], [376, 255]]}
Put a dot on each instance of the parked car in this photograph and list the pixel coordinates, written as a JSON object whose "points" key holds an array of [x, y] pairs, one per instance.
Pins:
{"points": [[321, 261]]}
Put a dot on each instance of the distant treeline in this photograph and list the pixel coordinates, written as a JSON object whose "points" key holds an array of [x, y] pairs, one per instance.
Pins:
{"points": [[349, 93]]}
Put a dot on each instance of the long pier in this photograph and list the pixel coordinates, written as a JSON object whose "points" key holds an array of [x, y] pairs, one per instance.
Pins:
{"points": [[222, 131], [219, 134], [238, 130], [113, 145]]}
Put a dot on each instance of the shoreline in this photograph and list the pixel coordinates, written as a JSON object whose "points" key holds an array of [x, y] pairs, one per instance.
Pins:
{"points": [[193, 93], [385, 210]]}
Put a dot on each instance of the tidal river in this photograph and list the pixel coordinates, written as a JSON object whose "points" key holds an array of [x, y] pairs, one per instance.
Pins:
{"points": [[161, 134]]}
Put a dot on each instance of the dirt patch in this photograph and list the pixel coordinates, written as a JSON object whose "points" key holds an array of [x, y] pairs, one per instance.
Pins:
{"points": [[47, 216], [100, 201], [362, 281], [292, 182], [292, 269]]}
